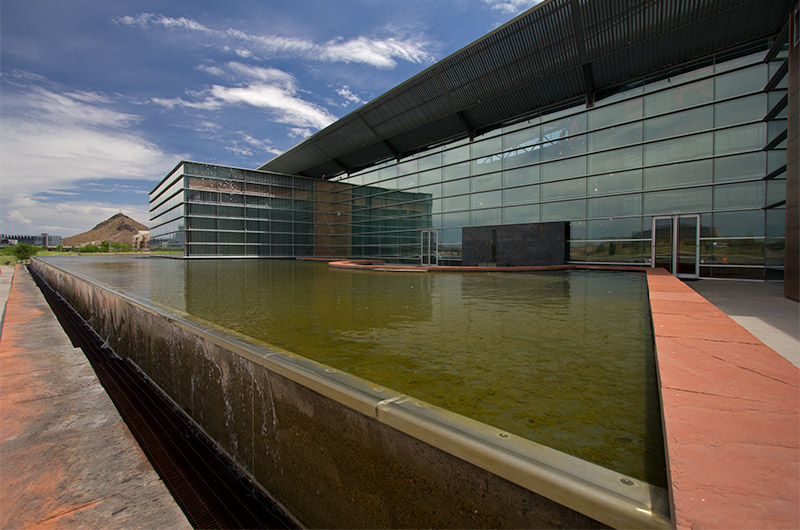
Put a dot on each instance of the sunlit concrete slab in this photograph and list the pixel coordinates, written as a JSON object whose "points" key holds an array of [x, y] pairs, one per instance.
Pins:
{"points": [[761, 308], [67, 458]]}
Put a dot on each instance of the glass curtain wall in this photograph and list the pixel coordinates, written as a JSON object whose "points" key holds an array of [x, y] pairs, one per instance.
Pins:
{"points": [[205, 210], [693, 143]]}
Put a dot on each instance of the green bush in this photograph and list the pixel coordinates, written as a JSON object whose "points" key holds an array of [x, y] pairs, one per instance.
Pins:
{"points": [[24, 251]]}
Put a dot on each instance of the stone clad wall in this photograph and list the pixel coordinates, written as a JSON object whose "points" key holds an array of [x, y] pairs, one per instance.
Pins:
{"points": [[337, 451]]}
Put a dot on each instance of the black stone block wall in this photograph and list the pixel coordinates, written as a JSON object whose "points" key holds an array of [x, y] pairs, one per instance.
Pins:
{"points": [[529, 244]]}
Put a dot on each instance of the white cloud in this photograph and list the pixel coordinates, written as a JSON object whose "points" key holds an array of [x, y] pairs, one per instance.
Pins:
{"points": [[299, 132], [349, 96], [380, 52], [512, 7], [55, 139], [270, 89]]}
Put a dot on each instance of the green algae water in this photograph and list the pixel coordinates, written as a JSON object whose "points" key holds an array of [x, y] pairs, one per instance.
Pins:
{"points": [[562, 358]]}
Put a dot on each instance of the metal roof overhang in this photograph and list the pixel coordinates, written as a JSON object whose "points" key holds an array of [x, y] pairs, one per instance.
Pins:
{"points": [[559, 51]]}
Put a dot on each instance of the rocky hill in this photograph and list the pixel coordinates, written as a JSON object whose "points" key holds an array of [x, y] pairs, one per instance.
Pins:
{"points": [[117, 229]]}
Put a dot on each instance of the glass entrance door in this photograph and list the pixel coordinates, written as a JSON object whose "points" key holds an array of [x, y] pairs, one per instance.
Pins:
{"points": [[429, 247], [676, 244]]}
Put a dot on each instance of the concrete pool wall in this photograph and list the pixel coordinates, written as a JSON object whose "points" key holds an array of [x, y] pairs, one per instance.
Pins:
{"points": [[338, 451]]}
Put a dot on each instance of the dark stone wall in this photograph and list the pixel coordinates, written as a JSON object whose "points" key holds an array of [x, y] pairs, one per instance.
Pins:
{"points": [[529, 244]]}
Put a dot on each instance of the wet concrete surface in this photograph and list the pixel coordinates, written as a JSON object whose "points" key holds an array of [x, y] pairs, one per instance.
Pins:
{"points": [[67, 458]]}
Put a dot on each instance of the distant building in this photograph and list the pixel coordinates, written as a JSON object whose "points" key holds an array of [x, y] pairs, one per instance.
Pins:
{"points": [[141, 240], [659, 136], [41, 240]]}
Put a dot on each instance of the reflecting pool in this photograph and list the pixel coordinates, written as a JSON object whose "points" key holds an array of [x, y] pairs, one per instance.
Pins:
{"points": [[562, 358]]}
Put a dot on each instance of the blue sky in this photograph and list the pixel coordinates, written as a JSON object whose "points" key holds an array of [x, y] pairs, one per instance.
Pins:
{"points": [[99, 99]]}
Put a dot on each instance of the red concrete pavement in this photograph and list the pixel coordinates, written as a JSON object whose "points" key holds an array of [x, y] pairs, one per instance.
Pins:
{"points": [[731, 411]]}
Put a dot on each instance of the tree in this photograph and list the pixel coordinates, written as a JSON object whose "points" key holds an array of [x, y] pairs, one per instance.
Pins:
{"points": [[24, 251]]}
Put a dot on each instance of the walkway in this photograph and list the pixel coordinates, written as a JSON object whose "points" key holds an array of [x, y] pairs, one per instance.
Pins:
{"points": [[67, 458], [760, 308], [731, 411]]}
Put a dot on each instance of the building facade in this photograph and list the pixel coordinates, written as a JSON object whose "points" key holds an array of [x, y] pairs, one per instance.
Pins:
{"points": [[683, 167]]}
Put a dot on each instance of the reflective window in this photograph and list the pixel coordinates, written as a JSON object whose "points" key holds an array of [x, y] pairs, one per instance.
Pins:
{"points": [[521, 214], [516, 177], [678, 149], [562, 146], [614, 114], [615, 182], [621, 159], [741, 81], [678, 98], [740, 110], [689, 121], [614, 228], [492, 216], [739, 167], [745, 195], [520, 195], [673, 175], [571, 167], [482, 200], [677, 201], [563, 211], [618, 136], [738, 224], [486, 182], [744, 138], [521, 138], [616, 206], [564, 189]]}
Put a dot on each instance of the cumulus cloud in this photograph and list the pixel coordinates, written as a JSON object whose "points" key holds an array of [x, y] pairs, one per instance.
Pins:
{"points": [[377, 51], [299, 132]]}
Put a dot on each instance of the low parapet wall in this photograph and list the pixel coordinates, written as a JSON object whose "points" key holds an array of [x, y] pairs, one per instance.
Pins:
{"points": [[338, 451]]}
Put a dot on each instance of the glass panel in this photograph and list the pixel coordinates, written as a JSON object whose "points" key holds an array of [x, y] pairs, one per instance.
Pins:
{"points": [[627, 158], [560, 142], [616, 182], [662, 243], [577, 252], [737, 224], [521, 214], [521, 157], [740, 82], [430, 177], [482, 200], [738, 251], [615, 228], [678, 149], [456, 171], [521, 138], [456, 187], [564, 211], [776, 190], [746, 195], [681, 97], [617, 206], [492, 216], [564, 189], [486, 182], [520, 195], [488, 147], [745, 138], [614, 114], [690, 121], [617, 252], [739, 167], [571, 167], [675, 201], [741, 110], [433, 161], [673, 175], [526, 175], [616, 137], [687, 246], [460, 202]]}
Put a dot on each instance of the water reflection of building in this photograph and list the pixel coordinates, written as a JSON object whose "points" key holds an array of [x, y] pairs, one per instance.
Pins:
{"points": [[660, 142]]}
